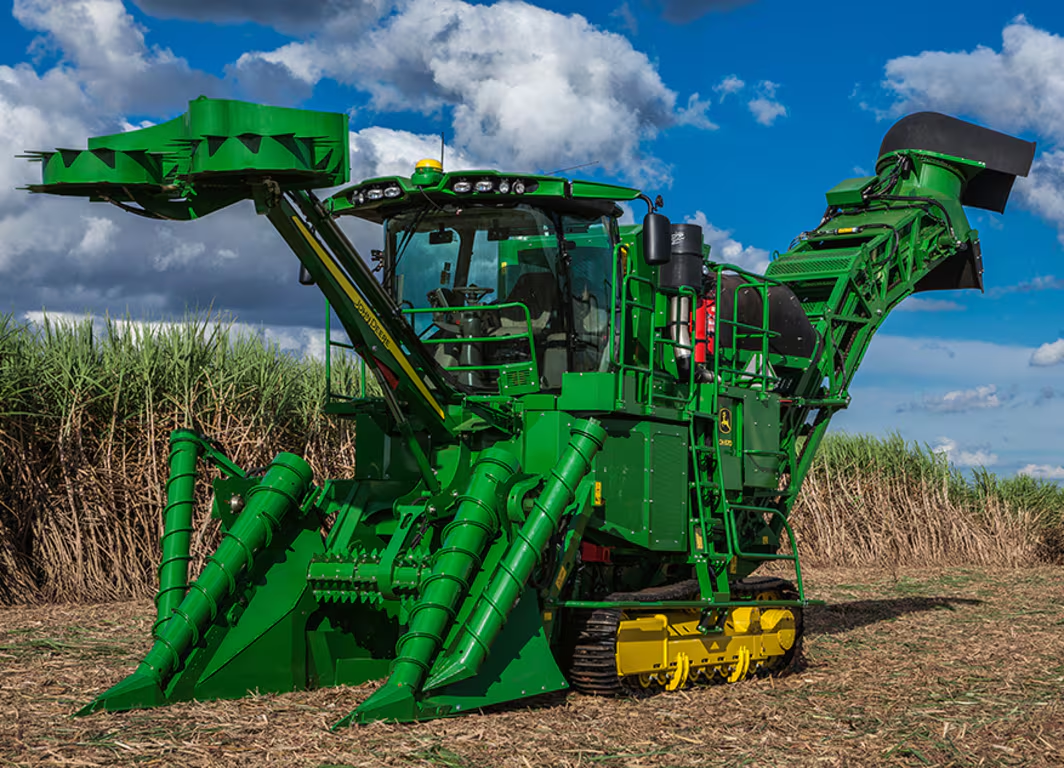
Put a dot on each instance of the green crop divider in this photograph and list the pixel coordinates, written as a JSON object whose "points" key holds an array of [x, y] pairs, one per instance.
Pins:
{"points": [[477, 520], [279, 493], [495, 603], [185, 447]]}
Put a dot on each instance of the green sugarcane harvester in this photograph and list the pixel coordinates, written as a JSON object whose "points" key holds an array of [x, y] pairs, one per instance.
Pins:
{"points": [[587, 438]]}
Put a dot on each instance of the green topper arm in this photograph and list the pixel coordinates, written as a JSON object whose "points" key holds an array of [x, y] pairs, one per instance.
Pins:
{"points": [[221, 152]]}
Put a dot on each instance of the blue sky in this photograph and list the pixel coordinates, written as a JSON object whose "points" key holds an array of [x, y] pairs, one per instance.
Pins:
{"points": [[741, 114]]}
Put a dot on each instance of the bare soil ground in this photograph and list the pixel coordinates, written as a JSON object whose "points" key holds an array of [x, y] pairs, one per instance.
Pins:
{"points": [[952, 667]]}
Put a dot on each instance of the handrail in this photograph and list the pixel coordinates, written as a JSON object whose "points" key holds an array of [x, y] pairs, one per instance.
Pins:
{"points": [[646, 374], [731, 529], [527, 335]]}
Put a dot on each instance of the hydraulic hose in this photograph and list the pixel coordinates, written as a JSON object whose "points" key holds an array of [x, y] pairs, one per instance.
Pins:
{"points": [[498, 600]]}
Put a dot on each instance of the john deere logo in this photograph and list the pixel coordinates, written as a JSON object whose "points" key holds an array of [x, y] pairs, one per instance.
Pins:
{"points": [[725, 421]]}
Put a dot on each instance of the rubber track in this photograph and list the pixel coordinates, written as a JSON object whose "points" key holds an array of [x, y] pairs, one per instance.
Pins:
{"points": [[593, 669]]}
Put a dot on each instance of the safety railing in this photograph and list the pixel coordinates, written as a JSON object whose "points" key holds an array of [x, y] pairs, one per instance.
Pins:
{"points": [[520, 373], [646, 375], [728, 362], [731, 528]]}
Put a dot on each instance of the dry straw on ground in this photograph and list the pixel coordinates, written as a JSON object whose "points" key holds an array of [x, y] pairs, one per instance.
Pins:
{"points": [[955, 667]]}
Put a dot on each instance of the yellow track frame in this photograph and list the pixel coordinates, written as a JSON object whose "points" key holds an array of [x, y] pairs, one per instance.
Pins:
{"points": [[668, 648]]}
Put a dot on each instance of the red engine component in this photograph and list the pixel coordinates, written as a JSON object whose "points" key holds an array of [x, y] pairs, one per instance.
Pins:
{"points": [[593, 553], [705, 319]]}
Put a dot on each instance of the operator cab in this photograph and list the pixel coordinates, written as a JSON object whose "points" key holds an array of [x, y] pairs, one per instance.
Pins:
{"points": [[507, 281], [497, 285]]}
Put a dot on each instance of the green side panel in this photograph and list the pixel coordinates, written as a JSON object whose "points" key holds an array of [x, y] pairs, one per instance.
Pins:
{"points": [[621, 468], [761, 441], [266, 623], [729, 442], [849, 191], [543, 439], [283, 591], [668, 493], [380, 456], [587, 392], [643, 468]]}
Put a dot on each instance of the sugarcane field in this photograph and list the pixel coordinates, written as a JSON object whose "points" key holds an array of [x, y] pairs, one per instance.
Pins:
{"points": [[379, 385]]}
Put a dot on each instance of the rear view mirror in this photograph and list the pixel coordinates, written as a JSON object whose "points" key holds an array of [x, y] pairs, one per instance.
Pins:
{"points": [[441, 236], [657, 239]]}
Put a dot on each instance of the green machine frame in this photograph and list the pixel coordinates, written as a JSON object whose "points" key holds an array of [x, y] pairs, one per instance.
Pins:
{"points": [[518, 535]]}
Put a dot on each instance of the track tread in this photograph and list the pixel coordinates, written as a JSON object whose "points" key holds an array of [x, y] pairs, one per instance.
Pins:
{"points": [[593, 666]]}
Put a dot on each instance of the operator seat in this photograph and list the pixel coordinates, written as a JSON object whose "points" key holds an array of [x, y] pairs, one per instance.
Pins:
{"points": [[539, 292]]}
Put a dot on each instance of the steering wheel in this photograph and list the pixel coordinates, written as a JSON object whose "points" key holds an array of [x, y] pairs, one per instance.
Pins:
{"points": [[471, 294]]}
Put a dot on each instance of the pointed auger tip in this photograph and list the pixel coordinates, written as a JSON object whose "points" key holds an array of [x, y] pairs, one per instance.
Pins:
{"points": [[454, 672], [138, 691], [389, 703], [89, 708]]}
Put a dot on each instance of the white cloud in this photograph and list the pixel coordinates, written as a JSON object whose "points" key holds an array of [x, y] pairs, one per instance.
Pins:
{"points": [[1050, 353], [764, 107], [694, 114], [99, 236], [1015, 89], [387, 152], [300, 342], [729, 85], [919, 304], [1039, 283], [979, 457], [593, 97], [181, 253], [1043, 190], [726, 249], [624, 13], [113, 62], [962, 400], [1043, 471]]}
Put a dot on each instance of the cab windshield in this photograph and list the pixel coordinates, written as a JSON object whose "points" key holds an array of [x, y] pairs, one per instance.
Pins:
{"points": [[492, 288]]}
